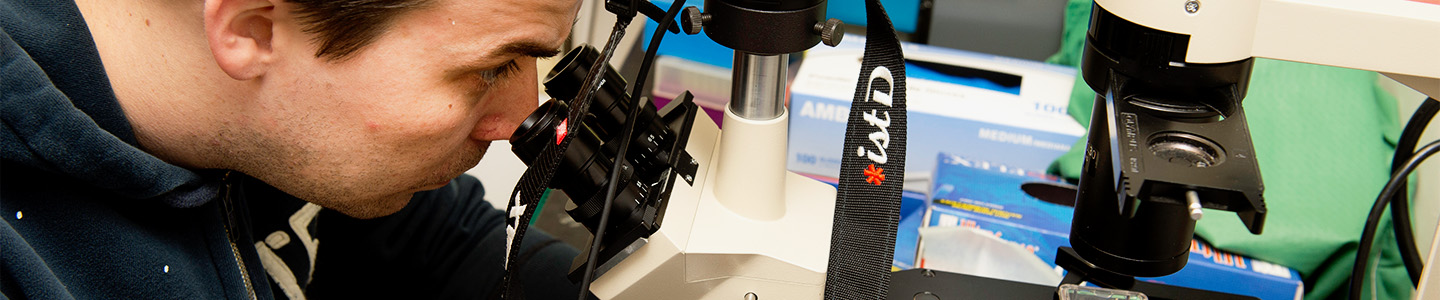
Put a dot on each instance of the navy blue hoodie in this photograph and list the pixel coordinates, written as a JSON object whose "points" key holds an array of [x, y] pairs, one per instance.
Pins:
{"points": [[85, 213], [81, 204]]}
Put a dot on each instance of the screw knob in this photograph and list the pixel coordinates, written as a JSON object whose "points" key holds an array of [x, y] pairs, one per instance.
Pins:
{"points": [[693, 20], [831, 32]]}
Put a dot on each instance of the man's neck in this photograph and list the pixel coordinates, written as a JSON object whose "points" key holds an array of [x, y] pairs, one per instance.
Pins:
{"points": [[161, 68]]}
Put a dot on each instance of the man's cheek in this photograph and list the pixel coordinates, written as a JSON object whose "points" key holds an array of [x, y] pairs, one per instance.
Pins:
{"points": [[418, 133]]}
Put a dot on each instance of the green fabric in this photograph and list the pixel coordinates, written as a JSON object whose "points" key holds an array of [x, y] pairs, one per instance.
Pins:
{"points": [[1324, 137]]}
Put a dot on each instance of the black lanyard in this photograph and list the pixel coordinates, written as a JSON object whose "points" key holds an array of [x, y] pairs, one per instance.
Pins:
{"points": [[872, 170]]}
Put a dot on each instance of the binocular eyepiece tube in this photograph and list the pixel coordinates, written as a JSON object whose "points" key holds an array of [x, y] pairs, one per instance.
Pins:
{"points": [[646, 171]]}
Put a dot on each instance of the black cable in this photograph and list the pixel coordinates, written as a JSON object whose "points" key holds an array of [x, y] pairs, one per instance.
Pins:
{"points": [[1400, 204], [654, 47], [620, 154], [1367, 237], [594, 249]]}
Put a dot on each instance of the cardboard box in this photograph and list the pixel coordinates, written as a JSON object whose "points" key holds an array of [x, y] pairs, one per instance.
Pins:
{"points": [[992, 201], [994, 108]]}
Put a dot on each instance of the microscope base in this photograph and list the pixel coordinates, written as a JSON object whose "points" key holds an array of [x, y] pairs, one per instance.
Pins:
{"points": [[706, 251]]}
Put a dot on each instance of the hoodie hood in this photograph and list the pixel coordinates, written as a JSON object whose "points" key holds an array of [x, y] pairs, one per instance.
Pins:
{"points": [[60, 114]]}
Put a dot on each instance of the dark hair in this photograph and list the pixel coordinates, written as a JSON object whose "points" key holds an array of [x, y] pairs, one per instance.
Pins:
{"points": [[343, 27]]}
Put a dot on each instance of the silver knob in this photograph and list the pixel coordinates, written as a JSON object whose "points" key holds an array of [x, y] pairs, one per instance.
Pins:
{"points": [[1193, 199]]}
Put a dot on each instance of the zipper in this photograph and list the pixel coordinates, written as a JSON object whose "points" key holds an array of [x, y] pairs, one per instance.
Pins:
{"points": [[231, 236]]}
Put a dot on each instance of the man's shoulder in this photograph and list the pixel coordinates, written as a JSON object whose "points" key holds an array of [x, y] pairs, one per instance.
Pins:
{"points": [[63, 239], [61, 117]]}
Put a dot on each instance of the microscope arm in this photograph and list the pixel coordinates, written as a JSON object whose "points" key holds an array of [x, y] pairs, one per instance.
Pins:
{"points": [[1399, 38]]}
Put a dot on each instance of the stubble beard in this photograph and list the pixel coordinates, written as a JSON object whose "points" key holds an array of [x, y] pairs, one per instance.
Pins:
{"points": [[365, 193], [379, 195]]}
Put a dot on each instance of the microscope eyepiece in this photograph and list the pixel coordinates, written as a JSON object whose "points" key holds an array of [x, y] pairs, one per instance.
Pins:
{"points": [[646, 170]]}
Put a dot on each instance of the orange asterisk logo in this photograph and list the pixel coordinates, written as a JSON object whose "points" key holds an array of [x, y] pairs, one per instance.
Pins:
{"points": [[874, 175], [560, 131]]}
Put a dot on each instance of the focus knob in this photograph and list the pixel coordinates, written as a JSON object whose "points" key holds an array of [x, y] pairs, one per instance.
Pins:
{"points": [[693, 20], [831, 31]]}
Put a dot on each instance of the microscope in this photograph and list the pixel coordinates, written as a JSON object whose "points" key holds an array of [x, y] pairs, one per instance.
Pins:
{"points": [[1168, 134], [739, 226], [1168, 138]]}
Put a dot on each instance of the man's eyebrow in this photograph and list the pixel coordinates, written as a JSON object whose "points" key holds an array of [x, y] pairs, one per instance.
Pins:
{"points": [[529, 49], [525, 48]]}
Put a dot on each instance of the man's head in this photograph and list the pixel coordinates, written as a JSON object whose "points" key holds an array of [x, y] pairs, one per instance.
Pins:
{"points": [[356, 105]]}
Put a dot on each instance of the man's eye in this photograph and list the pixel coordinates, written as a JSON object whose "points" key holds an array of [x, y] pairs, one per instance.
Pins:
{"points": [[492, 75]]}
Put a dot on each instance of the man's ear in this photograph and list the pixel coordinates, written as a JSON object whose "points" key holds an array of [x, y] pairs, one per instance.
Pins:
{"points": [[240, 33]]}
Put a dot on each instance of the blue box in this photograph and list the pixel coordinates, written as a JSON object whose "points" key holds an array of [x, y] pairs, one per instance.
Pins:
{"points": [[988, 197]]}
